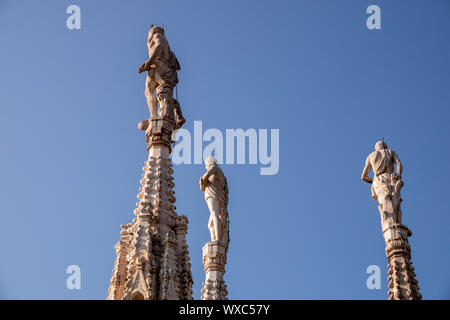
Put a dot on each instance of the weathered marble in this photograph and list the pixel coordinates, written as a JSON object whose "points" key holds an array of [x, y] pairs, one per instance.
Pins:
{"points": [[152, 255], [162, 67], [215, 187], [214, 260], [386, 186]]}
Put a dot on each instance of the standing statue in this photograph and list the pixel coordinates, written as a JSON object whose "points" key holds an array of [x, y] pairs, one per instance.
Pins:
{"points": [[386, 184], [215, 187], [162, 67]]}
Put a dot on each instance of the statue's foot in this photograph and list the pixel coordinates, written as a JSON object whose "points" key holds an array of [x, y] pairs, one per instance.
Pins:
{"points": [[180, 122], [143, 125]]}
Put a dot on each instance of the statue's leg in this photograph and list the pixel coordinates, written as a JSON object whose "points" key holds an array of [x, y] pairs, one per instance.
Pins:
{"points": [[213, 207], [150, 87], [165, 98], [397, 209], [224, 230], [388, 207], [211, 229], [399, 215], [386, 210], [178, 114]]}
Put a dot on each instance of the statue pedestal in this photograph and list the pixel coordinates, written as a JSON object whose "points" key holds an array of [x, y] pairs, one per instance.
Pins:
{"points": [[214, 260], [402, 278], [396, 230], [158, 132]]}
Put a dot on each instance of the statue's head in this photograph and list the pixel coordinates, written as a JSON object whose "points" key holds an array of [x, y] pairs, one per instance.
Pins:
{"points": [[210, 162], [154, 32], [380, 145]]}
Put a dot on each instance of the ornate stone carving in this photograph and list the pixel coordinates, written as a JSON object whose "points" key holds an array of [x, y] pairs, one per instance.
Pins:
{"points": [[215, 187], [214, 260], [162, 67], [152, 255], [386, 186], [117, 283], [214, 290]]}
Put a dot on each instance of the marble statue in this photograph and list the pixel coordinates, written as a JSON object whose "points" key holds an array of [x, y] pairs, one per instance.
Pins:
{"points": [[386, 185], [162, 67], [215, 187], [386, 182], [152, 256]]}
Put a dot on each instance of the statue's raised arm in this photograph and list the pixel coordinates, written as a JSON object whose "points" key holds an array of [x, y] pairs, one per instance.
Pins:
{"points": [[365, 174]]}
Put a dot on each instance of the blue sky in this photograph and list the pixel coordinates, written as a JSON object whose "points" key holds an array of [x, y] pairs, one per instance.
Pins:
{"points": [[70, 101]]}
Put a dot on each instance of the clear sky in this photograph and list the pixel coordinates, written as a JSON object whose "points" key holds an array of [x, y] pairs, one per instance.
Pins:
{"points": [[70, 101]]}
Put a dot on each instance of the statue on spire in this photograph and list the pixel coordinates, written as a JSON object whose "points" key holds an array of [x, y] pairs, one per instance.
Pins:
{"points": [[162, 67], [152, 255], [386, 184], [215, 186]]}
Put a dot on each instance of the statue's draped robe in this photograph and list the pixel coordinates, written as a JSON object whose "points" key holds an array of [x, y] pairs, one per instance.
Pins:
{"points": [[385, 182], [165, 71]]}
